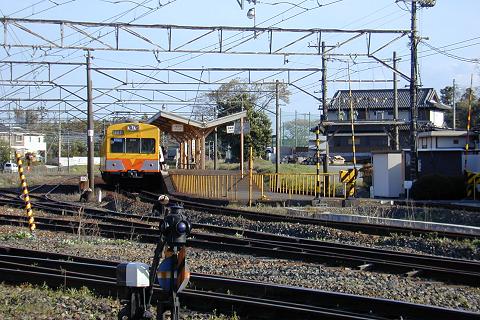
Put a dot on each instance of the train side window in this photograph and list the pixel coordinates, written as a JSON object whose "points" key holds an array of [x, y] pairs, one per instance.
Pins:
{"points": [[147, 145], [117, 145], [133, 145]]}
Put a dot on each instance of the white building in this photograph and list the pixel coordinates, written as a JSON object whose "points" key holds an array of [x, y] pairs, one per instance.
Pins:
{"points": [[446, 139], [23, 141]]}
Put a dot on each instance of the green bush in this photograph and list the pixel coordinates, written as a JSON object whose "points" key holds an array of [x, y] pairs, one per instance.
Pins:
{"points": [[438, 187]]}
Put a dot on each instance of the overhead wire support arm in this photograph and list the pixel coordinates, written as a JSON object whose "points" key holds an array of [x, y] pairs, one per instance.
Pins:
{"points": [[403, 75], [50, 38], [306, 92]]}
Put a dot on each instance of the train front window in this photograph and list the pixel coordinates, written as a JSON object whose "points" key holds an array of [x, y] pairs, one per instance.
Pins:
{"points": [[117, 145], [133, 145], [148, 145]]}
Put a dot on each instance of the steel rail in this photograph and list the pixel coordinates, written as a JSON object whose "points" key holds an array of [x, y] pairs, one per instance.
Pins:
{"points": [[367, 228], [440, 268], [245, 297]]}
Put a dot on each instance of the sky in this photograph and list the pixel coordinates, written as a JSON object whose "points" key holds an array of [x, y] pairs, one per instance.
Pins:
{"points": [[451, 26]]}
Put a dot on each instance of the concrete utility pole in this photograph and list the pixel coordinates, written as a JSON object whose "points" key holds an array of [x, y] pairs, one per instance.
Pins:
{"points": [[215, 144], [296, 131], [395, 103], [277, 127], [325, 110], [413, 94], [59, 138], [90, 127], [454, 107], [241, 144]]}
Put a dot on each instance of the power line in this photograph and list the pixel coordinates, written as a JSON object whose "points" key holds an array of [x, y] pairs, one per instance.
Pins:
{"points": [[453, 56]]}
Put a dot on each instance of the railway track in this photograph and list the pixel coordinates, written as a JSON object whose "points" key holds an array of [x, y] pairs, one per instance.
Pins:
{"points": [[366, 228], [127, 226], [254, 300]]}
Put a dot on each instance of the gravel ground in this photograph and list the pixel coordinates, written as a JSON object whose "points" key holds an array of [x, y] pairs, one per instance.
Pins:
{"points": [[426, 245], [465, 249], [269, 270], [257, 268]]}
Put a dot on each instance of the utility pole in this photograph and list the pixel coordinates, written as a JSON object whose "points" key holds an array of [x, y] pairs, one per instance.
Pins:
{"points": [[241, 144], [325, 112], [296, 131], [10, 136], [215, 144], [59, 139], [277, 127], [454, 106], [395, 103], [413, 94], [90, 127]]}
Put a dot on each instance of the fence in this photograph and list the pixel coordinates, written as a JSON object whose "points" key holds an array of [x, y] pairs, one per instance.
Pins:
{"points": [[208, 186], [300, 184], [229, 185]]}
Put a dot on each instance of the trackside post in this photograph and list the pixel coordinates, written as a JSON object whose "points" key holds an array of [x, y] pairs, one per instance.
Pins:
{"points": [[25, 194]]}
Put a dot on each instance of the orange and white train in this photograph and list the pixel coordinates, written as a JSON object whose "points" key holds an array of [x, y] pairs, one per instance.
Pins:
{"points": [[131, 151]]}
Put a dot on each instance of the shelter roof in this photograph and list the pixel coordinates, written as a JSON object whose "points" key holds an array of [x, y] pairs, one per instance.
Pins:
{"points": [[188, 128]]}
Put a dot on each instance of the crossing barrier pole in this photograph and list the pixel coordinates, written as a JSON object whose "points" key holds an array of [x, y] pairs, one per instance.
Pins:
{"points": [[26, 197]]}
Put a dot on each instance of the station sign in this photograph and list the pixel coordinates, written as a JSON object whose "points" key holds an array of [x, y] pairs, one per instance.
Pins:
{"points": [[246, 128], [177, 127], [231, 129]]}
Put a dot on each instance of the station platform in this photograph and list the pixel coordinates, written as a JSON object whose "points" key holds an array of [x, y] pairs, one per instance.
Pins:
{"points": [[233, 188]]}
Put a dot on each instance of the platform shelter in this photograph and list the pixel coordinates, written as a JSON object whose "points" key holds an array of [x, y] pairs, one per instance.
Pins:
{"points": [[191, 134]]}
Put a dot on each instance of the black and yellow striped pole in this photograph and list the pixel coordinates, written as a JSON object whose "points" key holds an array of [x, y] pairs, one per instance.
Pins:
{"points": [[317, 185], [26, 197], [250, 177]]}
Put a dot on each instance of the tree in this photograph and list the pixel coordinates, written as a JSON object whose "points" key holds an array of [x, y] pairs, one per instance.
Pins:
{"points": [[446, 95], [5, 151], [234, 97], [296, 133], [462, 110]]}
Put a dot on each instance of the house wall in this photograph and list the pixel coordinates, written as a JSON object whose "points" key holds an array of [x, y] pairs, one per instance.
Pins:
{"points": [[437, 117], [441, 142], [343, 144], [35, 143]]}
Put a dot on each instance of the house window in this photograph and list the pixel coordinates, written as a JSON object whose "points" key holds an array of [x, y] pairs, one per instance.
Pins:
{"points": [[357, 141], [455, 141], [18, 138], [39, 139], [379, 115]]}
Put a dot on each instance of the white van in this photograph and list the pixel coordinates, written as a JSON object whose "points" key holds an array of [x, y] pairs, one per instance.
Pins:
{"points": [[10, 167]]}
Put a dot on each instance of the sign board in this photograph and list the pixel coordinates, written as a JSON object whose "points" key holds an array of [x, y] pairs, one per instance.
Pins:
{"points": [[133, 127], [230, 129], [180, 276], [407, 184], [177, 127], [246, 128]]}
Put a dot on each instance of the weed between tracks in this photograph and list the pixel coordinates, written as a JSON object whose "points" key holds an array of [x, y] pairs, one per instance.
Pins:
{"points": [[40, 302]]}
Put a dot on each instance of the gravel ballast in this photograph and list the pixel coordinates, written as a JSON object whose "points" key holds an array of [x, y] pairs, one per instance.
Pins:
{"points": [[257, 268]]}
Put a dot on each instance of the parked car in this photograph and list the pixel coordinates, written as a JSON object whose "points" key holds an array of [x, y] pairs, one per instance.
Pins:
{"points": [[338, 160], [10, 167], [311, 160]]}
